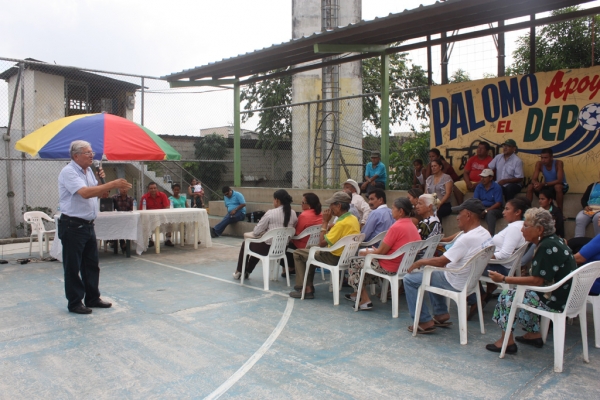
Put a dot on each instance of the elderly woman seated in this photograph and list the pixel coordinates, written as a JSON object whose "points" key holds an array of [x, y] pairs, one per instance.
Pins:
{"points": [[281, 216], [552, 261], [401, 232], [429, 224]]}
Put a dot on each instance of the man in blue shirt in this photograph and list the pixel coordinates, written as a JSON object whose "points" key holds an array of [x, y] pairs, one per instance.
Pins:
{"points": [[78, 190], [236, 210], [490, 194], [380, 218], [375, 174]]}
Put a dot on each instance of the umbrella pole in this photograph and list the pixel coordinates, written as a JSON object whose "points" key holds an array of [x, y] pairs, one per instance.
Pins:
{"points": [[9, 178]]}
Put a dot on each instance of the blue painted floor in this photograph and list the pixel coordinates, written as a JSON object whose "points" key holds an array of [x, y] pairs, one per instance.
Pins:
{"points": [[181, 327]]}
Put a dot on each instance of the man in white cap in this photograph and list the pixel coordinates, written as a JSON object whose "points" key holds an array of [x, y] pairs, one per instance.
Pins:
{"points": [[357, 200], [347, 224], [490, 194]]}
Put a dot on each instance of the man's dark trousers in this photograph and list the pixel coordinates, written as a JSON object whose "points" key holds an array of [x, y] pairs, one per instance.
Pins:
{"points": [[80, 255]]}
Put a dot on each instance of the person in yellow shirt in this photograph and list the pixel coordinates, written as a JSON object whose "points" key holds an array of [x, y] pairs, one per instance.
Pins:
{"points": [[346, 224]]}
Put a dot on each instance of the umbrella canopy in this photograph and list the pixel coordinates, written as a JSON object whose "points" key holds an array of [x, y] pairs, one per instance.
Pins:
{"points": [[114, 137]]}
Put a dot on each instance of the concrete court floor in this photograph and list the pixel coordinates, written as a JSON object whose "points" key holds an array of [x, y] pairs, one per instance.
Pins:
{"points": [[180, 327]]}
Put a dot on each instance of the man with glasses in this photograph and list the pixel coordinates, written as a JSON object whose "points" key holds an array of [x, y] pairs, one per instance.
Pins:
{"points": [[346, 224], [78, 191], [236, 210]]}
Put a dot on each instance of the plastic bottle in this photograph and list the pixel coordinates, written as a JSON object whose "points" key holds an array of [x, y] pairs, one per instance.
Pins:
{"points": [[134, 204], [170, 204], [58, 209], [144, 204], [252, 217]]}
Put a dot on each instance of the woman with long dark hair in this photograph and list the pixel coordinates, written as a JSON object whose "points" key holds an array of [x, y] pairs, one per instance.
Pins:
{"points": [[441, 184], [310, 216], [281, 216]]}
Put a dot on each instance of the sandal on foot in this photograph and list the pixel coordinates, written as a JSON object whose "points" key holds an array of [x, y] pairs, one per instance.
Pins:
{"points": [[441, 324], [422, 331]]}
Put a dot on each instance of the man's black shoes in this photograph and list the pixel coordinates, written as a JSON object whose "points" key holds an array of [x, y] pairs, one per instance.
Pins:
{"points": [[99, 303], [80, 309]]}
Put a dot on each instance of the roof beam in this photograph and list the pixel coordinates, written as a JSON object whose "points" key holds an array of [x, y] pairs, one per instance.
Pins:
{"points": [[204, 82], [349, 48]]}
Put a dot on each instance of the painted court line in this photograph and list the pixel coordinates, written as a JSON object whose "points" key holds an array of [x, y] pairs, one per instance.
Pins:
{"points": [[209, 276], [256, 356]]}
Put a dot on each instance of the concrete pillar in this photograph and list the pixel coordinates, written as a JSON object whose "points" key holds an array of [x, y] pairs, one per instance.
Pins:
{"points": [[306, 86]]}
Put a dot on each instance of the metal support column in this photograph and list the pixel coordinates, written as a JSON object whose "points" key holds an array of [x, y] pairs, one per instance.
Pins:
{"points": [[532, 48], [385, 114], [23, 175], [444, 63], [501, 51], [237, 155], [10, 194], [142, 105]]}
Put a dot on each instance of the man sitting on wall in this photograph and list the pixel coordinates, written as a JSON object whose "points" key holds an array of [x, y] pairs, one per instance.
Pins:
{"points": [[380, 218], [490, 194], [155, 200], [236, 210], [554, 177], [475, 166]]}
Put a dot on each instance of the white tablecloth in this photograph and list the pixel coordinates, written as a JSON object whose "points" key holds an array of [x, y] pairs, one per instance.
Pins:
{"points": [[108, 226], [168, 220]]}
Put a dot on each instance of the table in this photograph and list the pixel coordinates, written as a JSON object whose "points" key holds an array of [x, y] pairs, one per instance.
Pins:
{"points": [[195, 220], [108, 226]]}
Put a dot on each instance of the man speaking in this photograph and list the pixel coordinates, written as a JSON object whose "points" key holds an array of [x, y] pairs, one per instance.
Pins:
{"points": [[78, 190]]}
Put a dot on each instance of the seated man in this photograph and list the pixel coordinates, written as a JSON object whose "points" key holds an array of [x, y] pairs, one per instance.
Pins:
{"points": [[236, 210], [375, 174], [554, 177], [359, 202], [155, 200], [490, 194], [346, 225], [508, 169], [465, 247], [122, 202], [475, 166], [380, 218]]}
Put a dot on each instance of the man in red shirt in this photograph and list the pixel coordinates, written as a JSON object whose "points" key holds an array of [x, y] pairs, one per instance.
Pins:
{"points": [[475, 166], [155, 200]]}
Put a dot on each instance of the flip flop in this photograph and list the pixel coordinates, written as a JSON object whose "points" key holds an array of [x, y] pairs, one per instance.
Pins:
{"points": [[422, 331], [441, 324]]}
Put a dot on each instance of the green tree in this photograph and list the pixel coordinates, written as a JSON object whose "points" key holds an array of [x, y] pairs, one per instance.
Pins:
{"points": [[562, 45], [416, 146], [460, 75], [209, 147]]}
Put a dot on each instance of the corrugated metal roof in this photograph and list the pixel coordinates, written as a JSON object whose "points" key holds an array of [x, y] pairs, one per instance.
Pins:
{"points": [[400, 27]]}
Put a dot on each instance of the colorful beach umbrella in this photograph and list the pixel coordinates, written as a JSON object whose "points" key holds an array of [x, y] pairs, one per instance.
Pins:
{"points": [[114, 137]]}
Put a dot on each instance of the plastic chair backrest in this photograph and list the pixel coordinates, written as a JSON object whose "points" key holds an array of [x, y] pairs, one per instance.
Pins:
{"points": [[410, 251], [351, 244], [376, 239], [280, 238], [515, 268], [36, 220], [315, 234], [582, 280], [431, 244], [477, 264]]}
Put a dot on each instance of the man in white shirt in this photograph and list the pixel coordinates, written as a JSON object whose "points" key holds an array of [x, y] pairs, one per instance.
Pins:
{"points": [[465, 247], [508, 169], [357, 200]]}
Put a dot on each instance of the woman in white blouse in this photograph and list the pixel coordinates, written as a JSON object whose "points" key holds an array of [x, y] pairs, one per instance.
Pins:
{"points": [[506, 241], [281, 216], [441, 184]]}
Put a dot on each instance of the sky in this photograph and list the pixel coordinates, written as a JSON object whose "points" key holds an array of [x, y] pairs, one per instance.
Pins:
{"points": [[158, 37]]}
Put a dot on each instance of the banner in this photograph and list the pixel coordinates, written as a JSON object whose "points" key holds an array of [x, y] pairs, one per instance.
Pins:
{"points": [[558, 109]]}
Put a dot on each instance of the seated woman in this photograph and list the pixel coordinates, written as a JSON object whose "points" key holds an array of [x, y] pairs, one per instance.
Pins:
{"points": [[552, 261], [281, 216], [403, 231], [546, 199], [310, 216], [413, 196], [429, 224], [177, 201], [506, 241], [441, 184], [590, 201]]}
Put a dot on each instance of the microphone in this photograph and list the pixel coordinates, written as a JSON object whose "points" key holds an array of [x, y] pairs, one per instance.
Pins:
{"points": [[96, 165]]}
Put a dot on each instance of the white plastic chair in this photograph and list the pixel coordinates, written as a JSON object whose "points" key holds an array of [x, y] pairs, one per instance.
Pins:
{"points": [[582, 280], [475, 265], [350, 244], [270, 262], [378, 238], [595, 302], [409, 251], [314, 234], [515, 268], [36, 220], [431, 244]]}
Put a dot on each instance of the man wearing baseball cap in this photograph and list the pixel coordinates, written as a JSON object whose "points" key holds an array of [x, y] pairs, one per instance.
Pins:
{"points": [[346, 225], [509, 170], [361, 205], [375, 174], [490, 194], [465, 247]]}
